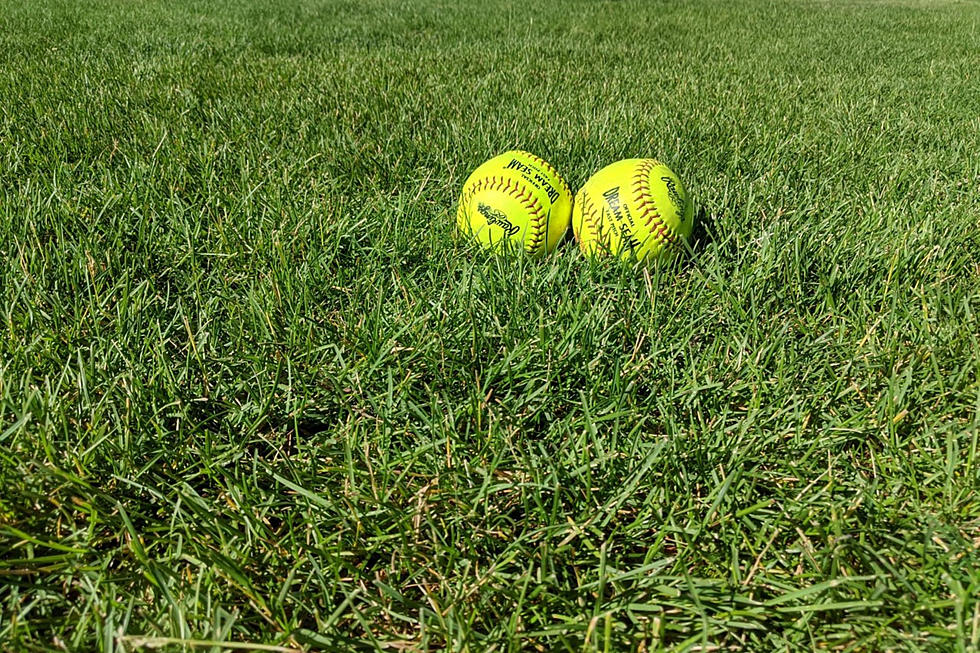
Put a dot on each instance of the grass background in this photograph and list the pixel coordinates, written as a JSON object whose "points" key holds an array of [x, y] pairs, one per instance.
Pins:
{"points": [[252, 389]]}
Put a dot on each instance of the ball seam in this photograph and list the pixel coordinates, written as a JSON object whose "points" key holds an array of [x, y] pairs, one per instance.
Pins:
{"points": [[536, 223], [643, 195], [589, 218], [565, 188]]}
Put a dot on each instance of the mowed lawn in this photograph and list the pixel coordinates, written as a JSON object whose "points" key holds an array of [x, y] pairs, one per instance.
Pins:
{"points": [[254, 390]]}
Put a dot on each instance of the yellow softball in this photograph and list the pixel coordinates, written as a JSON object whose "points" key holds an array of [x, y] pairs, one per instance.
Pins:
{"points": [[634, 208], [517, 199]]}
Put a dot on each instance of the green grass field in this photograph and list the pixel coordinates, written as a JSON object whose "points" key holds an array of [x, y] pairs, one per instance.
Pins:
{"points": [[254, 393]]}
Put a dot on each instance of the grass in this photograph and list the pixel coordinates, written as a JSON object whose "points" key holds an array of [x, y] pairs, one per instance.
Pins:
{"points": [[254, 395]]}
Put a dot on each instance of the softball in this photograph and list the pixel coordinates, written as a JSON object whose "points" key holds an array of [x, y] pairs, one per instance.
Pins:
{"points": [[516, 199], [635, 209]]}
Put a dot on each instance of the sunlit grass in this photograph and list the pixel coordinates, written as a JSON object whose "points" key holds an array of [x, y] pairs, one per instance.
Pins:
{"points": [[253, 390]]}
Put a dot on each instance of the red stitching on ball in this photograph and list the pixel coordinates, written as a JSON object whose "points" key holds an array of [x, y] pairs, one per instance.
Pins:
{"points": [[550, 168], [591, 218], [644, 197], [536, 223]]}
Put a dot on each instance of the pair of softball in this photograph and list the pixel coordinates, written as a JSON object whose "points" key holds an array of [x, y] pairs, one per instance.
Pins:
{"points": [[635, 209]]}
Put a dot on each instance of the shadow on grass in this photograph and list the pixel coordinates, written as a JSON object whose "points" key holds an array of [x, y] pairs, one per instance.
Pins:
{"points": [[704, 229]]}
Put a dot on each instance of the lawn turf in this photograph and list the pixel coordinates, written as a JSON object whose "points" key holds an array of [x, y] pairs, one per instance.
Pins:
{"points": [[253, 390]]}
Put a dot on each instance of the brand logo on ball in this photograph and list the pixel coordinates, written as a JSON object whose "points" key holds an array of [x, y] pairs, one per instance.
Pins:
{"points": [[498, 218], [625, 224], [673, 193], [536, 177], [612, 199]]}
